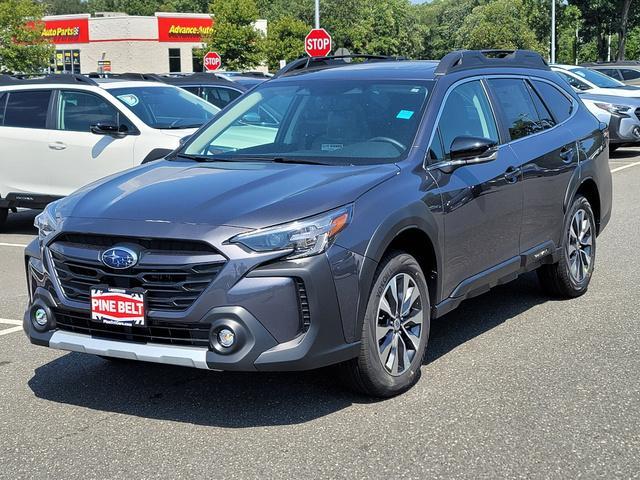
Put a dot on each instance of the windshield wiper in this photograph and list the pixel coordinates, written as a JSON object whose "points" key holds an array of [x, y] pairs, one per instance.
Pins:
{"points": [[203, 158], [296, 160]]}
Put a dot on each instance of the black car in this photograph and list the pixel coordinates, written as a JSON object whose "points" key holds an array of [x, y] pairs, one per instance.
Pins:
{"points": [[210, 87], [328, 217]]}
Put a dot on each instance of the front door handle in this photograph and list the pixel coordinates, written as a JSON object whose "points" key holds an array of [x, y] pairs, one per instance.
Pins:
{"points": [[566, 154], [512, 174], [57, 146]]}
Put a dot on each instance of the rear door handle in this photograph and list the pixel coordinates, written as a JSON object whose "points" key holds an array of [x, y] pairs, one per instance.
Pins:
{"points": [[57, 146], [512, 174]]}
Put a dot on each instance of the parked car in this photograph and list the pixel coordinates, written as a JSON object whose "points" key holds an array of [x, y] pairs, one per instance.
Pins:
{"points": [[586, 80], [60, 132], [621, 114], [215, 90], [385, 194], [625, 72]]}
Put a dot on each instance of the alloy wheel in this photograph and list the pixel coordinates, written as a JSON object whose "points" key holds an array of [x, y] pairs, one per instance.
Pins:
{"points": [[580, 246], [399, 324]]}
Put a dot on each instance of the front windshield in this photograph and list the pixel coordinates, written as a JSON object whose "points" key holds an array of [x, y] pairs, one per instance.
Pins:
{"points": [[598, 79], [334, 122], [166, 107]]}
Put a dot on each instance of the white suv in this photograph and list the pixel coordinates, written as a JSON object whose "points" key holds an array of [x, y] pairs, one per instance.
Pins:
{"points": [[60, 132]]}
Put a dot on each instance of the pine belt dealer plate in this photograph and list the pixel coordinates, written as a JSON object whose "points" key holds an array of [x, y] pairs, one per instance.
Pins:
{"points": [[118, 306]]}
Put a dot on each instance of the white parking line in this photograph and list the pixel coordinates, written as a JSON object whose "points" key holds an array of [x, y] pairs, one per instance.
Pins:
{"points": [[7, 331], [19, 245], [625, 166], [10, 322]]}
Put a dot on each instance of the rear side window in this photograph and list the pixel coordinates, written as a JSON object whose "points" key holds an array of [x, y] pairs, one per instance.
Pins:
{"points": [[629, 74], [559, 104], [466, 113], [78, 111], [612, 72], [518, 108], [27, 109]]}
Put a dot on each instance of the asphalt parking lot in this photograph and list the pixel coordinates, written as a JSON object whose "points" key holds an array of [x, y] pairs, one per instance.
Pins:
{"points": [[516, 385]]}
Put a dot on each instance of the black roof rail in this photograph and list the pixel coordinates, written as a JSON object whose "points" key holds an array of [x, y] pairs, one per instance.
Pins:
{"points": [[123, 76], [305, 63], [470, 59], [43, 78]]}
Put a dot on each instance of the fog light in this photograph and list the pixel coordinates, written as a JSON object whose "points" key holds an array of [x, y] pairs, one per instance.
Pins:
{"points": [[40, 316], [226, 337]]}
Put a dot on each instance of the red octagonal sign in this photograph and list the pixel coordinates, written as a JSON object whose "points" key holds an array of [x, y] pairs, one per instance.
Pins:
{"points": [[317, 43], [212, 61]]}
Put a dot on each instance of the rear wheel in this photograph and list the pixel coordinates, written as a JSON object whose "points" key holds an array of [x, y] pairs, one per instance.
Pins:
{"points": [[395, 330], [570, 277]]}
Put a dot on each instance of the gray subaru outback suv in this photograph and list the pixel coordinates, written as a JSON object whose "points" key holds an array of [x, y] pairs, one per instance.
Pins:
{"points": [[327, 217]]}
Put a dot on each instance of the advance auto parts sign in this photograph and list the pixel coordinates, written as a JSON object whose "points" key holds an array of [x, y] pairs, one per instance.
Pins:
{"points": [[184, 29], [67, 31]]}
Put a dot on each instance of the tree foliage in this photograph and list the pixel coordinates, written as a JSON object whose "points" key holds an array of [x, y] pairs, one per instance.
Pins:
{"points": [[285, 40], [22, 48], [234, 35]]}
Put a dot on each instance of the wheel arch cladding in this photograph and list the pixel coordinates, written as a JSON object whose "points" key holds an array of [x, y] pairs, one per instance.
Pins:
{"points": [[589, 190]]}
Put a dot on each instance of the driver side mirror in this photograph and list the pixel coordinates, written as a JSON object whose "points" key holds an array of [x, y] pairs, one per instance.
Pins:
{"points": [[110, 129], [466, 150]]}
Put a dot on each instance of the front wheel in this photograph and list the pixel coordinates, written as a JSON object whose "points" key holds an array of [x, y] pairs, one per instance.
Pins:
{"points": [[570, 277], [395, 330]]}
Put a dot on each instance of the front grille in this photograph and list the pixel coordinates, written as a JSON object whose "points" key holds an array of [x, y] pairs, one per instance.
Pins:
{"points": [[303, 305], [173, 279], [196, 335]]}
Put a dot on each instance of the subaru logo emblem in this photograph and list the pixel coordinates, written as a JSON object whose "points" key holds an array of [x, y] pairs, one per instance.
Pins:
{"points": [[119, 258]]}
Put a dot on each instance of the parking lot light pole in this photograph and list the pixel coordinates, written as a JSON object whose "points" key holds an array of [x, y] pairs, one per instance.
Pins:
{"points": [[553, 31], [317, 13]]}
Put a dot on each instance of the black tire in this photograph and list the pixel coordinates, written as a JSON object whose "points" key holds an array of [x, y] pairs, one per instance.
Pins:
{"points": [[366, 373], [557, 279], [613, 148]]}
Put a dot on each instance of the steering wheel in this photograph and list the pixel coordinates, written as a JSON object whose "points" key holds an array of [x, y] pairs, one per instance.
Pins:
{"points": [[390, 140]]}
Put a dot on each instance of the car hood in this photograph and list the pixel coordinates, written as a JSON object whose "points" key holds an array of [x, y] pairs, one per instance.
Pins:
{"points": [[178, 132], [240, 194], [626, 91], [617, 99]]}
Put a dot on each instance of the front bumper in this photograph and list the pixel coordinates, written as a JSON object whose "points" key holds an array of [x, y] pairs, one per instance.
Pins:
{"points": [[624, 131], [258, 298]]}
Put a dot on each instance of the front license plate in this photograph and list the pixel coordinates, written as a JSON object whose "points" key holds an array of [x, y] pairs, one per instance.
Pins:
{"points": [[117, 306]]}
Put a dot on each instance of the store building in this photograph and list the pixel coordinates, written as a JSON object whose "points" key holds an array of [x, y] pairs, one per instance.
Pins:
{"points": [[116, 42]]}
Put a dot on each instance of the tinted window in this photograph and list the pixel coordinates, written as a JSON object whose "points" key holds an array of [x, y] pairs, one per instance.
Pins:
{"points": [[558, 103], [219, 96], [3, 101], [545, 118], [520, 114], [629, 74], [77, 111], [27, 109], [466, 113], [612, 72]]}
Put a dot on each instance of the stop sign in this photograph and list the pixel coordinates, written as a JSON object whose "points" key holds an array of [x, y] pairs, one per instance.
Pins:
{"points": [[317, 43], [212, 61]]}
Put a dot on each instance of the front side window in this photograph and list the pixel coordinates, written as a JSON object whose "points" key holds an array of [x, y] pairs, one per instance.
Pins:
{"points": [[166, 107], [574, 82], [27, 109], [558, 103], [518, 107], [333, 122], [466, 113], [78, 111], [629, 74]]}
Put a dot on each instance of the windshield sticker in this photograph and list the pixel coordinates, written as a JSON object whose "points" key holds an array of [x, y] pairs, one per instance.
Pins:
{"points": [[129, 99], [331, 147], [404, 114]]}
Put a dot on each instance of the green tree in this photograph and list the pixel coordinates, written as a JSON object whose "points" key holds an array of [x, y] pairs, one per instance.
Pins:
{"points": [[22, 48], [285, 40], [66, 7], [234, 36], [498, 24]]}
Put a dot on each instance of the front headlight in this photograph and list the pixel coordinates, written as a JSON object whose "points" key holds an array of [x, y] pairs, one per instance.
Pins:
{"points": [[304, 238], [47, 222], [613, 108]]}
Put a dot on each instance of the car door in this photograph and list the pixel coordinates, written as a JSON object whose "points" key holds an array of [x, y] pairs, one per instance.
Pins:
{"points": [[482, 203], [547, 153], [80, 156], [24, 139]]}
